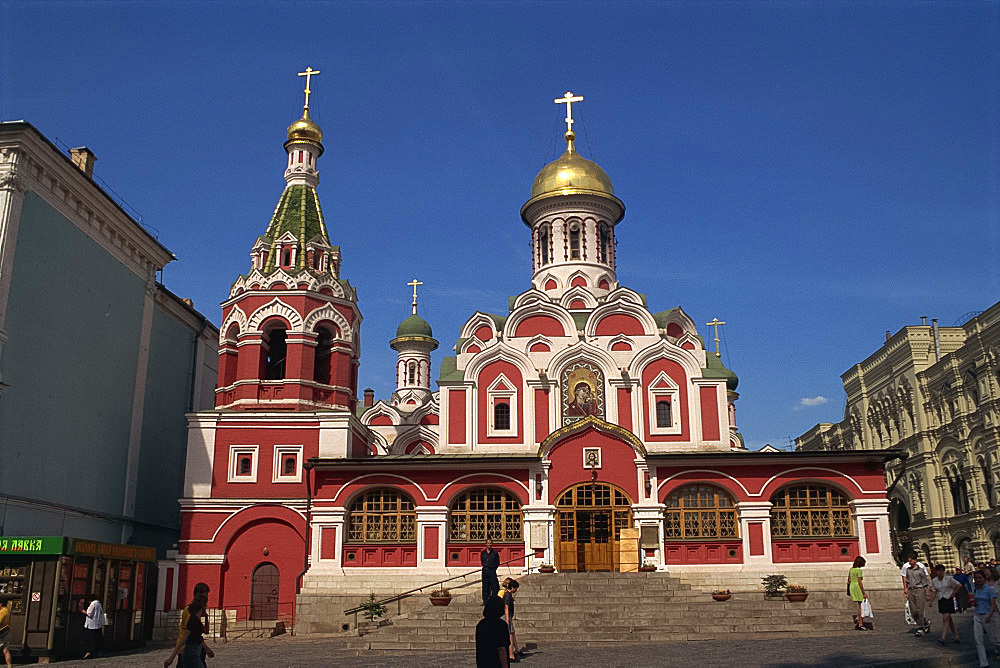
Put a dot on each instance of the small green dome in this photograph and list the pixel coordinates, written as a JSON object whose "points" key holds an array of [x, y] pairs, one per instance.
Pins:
{"points": [[732, 380], [414, 326]]}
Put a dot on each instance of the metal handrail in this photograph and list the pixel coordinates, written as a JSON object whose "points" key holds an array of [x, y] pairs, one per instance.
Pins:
{"points": [[406, 594]]}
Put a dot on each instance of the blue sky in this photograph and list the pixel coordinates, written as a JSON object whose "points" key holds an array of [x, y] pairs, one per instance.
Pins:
{"points": [[812, 173]]}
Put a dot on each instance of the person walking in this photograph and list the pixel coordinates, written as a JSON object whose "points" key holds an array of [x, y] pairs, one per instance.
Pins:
{"points": [[492, 638], [986, 608], [93, 623], [510, 586], [5, 630], [856, 585], [962, 595], [968, 567], [490, 560], [945, 586], [200, 592], [191, 644], [916, 580]]}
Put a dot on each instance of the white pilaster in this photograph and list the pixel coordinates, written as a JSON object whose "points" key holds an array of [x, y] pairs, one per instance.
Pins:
{"points": [[11, 200], [872, 510], [539, 534], [755, 512], [431, 516]]}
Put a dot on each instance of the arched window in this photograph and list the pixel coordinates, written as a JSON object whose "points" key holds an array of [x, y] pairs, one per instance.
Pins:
{"points": [[664, 418], [288, 465], [964, 548], [543, 246], [382, 516], [574, 242], [286, 257], [274, 365], [810, 511], [485, 513], [321, 361], [605, 244], [985, 464], [501, 416], [411, 373], [700, 511]]}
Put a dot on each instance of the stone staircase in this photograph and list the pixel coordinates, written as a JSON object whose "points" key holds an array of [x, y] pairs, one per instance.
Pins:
{"points": [[593, 609]]}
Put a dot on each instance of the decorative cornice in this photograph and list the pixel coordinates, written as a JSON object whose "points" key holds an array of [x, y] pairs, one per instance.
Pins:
{"points": [[591, 422]]}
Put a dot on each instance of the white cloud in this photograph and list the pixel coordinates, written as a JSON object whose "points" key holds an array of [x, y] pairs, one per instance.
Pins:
{"points": [[809, 402]]}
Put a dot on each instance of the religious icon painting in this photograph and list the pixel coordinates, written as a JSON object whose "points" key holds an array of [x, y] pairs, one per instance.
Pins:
{"points": [[582, 392]]}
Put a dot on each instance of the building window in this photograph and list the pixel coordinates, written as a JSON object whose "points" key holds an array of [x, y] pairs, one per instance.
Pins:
{"points": [[411, 373], [274, 364], [324, 351], [959, 490], [382, 516], [501, 416], [605, 241], [664, 416], [243, 463], [700, 511], [543, 246], [501, 400], [810, 511], [574, 243], [286, 257], [287, 463], [486, 513]]}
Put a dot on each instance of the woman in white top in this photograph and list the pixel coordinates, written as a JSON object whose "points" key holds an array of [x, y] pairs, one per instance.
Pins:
{"points": [[93, 624], [945, 586]]}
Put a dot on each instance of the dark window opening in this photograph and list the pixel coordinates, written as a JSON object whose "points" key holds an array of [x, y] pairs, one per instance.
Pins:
{"points": [[501, 416], [605, 242], [276, 353], [288, 466], [321, 362], [574, 244], [412, 375], [543, 246], [286, 257], [244, 465], [664, 417]]}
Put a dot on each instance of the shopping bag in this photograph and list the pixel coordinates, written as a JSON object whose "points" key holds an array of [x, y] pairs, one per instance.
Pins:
{"points": [[107, 622], [909, 616], [866, 609]]}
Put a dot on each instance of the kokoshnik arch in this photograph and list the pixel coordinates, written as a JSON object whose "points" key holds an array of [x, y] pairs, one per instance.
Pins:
{"points": [[577, 415]]}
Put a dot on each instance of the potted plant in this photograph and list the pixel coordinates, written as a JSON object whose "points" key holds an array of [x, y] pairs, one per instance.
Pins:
{"points": [[796, 593], [647, 567], [722, 595], [371, 610], [773, 585], [546, 568], [440, 597]]}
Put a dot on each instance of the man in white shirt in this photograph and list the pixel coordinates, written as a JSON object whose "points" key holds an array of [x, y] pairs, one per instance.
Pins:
{"points": [[916, 580]]}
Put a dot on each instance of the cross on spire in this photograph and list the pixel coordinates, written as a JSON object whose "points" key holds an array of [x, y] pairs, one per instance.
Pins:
{"points": [[568, 99], [414, 283], [715, 323], [308, 74]]}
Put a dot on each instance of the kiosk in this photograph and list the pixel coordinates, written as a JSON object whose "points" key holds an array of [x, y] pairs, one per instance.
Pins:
{"points": [[50, 581]]}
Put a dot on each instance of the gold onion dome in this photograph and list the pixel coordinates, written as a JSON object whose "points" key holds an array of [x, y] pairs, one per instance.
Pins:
{"points": [[571, 171], [305, 129]]}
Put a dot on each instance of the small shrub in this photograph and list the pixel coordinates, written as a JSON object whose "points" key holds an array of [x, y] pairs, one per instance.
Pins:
{"points": [[773, 584], [796, 589], [372, 609], [442, 592]]}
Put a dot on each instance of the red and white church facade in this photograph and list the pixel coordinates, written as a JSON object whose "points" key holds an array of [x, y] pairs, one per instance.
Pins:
{"points": [[579, 413]]}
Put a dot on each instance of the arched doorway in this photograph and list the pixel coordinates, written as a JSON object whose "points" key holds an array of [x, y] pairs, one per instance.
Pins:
{"points": [[590, 518], [264, 592], [900, 529]]}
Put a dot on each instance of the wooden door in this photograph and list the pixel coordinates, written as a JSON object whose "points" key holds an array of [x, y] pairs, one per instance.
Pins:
{"points": [[264, 592], [594, 541]]}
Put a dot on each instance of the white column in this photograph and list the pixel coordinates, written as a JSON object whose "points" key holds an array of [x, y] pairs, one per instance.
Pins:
{"points": [[11, 199], [539, 534], [755, 513], [327, 518], [431, 516], [869, 514]]}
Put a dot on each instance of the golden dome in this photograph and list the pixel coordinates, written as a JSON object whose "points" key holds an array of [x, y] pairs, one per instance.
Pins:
{"points": [[571, 173], [305, 128]]}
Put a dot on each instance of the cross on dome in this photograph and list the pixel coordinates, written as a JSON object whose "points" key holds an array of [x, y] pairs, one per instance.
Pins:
{"points": [[415, 283], [308, 74], [715, 323]]}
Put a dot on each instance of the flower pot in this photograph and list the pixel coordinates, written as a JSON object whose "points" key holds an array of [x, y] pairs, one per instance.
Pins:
{"points": [[440, 600], [796, 596], [647, 569], [546, 569], [722, 597]]}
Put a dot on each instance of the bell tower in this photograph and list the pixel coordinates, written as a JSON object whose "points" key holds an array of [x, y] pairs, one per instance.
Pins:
{"points": [[414, 342], [289, 337]]}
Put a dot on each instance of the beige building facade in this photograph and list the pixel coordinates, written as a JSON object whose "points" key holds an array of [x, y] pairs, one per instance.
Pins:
{"points": [[933, 393]]}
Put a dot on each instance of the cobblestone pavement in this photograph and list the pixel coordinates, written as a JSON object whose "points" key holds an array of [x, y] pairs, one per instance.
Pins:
{"points": [[888, 644]]}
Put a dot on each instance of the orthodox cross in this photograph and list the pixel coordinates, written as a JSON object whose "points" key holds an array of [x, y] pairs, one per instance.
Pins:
{"points": [[308, 74], [414, 283], [568, 99], [715, 323]]}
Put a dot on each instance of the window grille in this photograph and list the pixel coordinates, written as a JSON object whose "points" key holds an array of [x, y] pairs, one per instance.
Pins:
{"points": [[382, 516], [484, 513], [700, 511], [501, 416], [810, 511]]}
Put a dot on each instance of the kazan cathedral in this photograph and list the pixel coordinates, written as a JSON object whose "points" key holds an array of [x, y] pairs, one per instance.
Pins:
{"points": [[583, 429]]}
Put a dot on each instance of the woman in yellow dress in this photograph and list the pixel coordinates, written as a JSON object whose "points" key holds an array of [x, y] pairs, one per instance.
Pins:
{"points": [[856, 585]]}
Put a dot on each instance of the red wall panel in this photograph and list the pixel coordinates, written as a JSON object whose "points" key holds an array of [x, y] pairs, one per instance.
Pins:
{"points": [[871, 536], [328, 543], [756, 536], [807, 551], [431, 542], [710, 413], [624, 408], [541, 415], [695, 552], [456, 416]]}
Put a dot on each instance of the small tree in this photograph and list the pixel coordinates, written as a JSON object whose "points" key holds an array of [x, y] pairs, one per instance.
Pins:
{"points": [[773, 584], [372, 609]]}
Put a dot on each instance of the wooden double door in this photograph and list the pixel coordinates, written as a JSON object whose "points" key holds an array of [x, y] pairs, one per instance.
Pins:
{"points": [[590, 519]]}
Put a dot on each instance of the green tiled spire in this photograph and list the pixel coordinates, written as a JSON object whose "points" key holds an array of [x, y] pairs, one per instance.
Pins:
{"points": [[298, 212]]}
